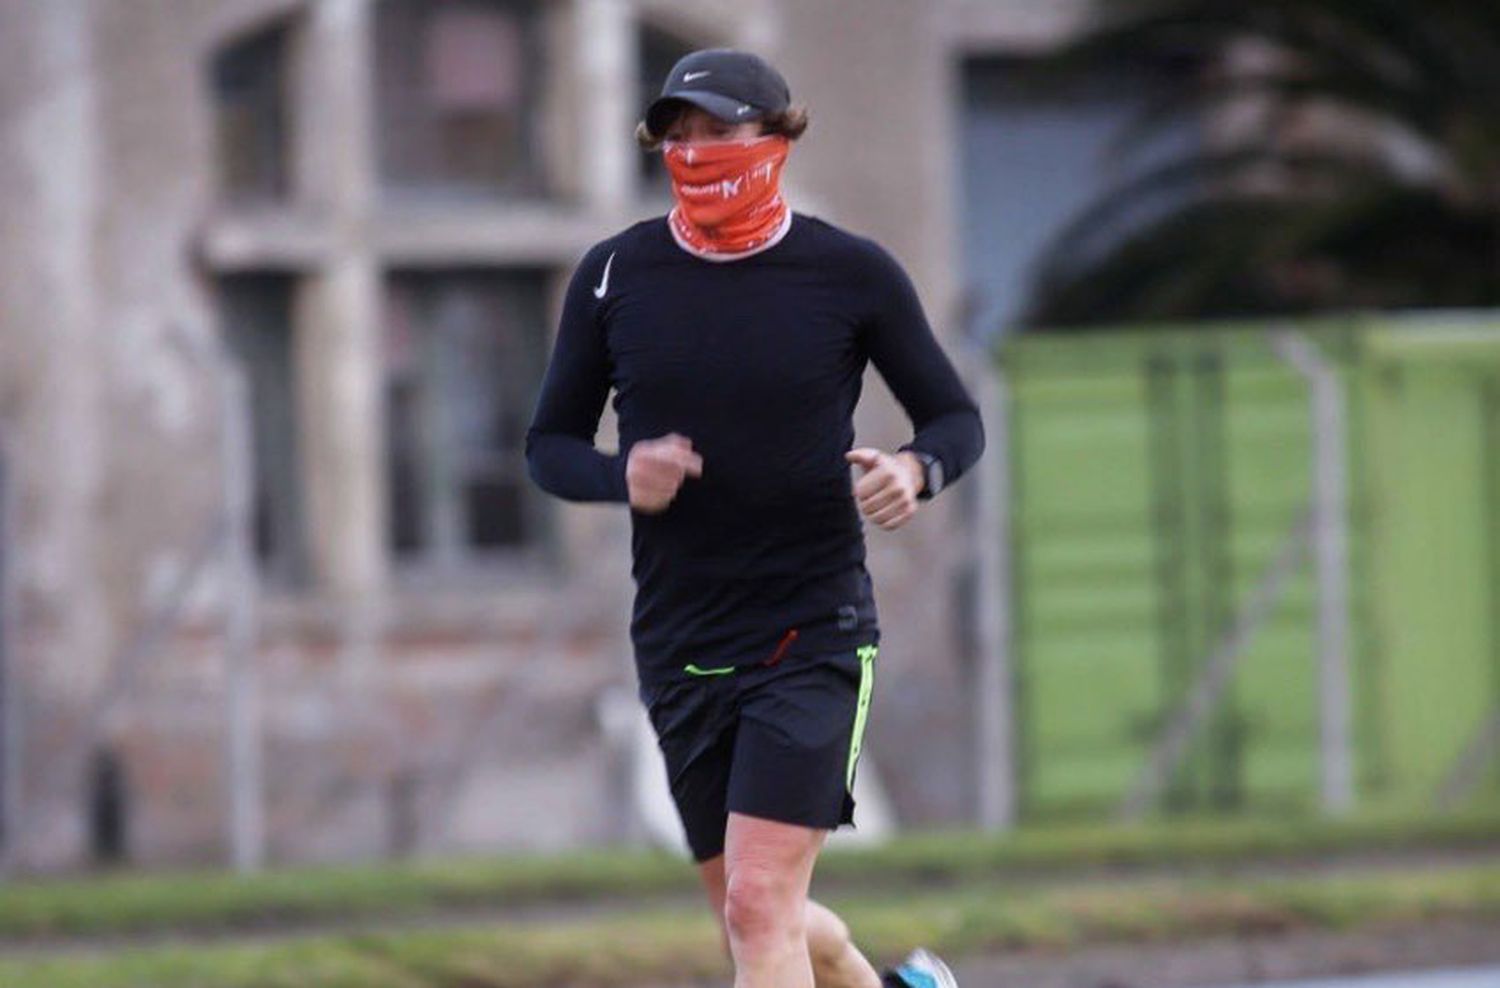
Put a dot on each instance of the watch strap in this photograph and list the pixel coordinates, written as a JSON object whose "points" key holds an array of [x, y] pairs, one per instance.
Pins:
{"points": [[932, 480]]}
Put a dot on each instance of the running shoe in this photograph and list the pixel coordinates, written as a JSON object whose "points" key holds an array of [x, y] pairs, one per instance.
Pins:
{"points": [[921, 969]]}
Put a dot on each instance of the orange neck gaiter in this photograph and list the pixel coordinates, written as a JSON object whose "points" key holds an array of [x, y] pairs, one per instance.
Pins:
{"points": [[728, 193]]}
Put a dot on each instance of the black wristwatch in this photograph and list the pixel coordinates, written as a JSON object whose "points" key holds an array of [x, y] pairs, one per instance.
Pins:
{"points": [[932, 472]]}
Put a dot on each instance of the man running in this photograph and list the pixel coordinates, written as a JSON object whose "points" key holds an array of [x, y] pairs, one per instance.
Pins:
{"points": [[735, 334]]}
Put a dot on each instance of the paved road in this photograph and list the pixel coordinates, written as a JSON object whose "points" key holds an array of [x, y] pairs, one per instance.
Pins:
{"points": [[1486, 977], [1431, 951]]}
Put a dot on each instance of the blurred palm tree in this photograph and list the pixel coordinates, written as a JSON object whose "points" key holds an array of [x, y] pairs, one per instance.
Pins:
{"points": [[1351, 160]]}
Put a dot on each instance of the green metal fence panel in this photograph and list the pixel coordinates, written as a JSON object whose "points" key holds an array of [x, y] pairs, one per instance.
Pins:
{"points": [[1155, 477], [1433, 431], [1087, 614]]}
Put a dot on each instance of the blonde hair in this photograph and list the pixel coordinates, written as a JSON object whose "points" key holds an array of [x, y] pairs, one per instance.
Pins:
{"points": [[791, 123]]}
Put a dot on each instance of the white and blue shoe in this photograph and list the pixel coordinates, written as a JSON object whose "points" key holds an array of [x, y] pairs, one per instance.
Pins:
{"points": [[921, 969]]}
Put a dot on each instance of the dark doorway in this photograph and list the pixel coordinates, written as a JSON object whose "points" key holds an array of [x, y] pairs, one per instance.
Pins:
{"points": [[1032, 155], [107, 806]]}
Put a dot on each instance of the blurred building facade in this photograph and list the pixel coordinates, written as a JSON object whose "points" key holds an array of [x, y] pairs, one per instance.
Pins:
{"points": [[366, 211]]}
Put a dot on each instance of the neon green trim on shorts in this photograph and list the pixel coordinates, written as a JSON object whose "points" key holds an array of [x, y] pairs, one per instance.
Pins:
{"points": [[866, 655], [720, 671]]}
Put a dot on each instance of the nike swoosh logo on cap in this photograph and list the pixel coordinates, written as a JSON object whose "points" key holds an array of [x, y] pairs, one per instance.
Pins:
{"points": [[690, 76], [603, 285]]}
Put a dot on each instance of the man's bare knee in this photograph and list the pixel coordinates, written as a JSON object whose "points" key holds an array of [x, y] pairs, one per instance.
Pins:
{"points": [[712, 873], [836, 961], [827, 936], [757, 908]]}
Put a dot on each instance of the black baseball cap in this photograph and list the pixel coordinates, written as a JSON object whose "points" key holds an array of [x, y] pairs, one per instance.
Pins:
{"points": [[732, 85]]}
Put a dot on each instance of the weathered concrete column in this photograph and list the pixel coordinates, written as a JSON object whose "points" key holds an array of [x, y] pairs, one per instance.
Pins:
{"points": [[50, 375], [338, 310], [605, 36]]}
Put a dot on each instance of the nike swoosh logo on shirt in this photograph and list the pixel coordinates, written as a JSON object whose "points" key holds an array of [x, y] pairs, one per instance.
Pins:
{"points": [[603, 285]]}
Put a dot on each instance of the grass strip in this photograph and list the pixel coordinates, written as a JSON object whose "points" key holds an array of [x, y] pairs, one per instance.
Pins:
{"points": [[127, 903], [679, 944], [1178, 842]]}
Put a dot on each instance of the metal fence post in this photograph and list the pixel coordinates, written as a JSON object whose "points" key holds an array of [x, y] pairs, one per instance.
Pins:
{"points": [[241, 685], [994, 695], [1330, 554]]}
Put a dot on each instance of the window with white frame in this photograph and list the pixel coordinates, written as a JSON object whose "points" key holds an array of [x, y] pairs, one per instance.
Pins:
{"points": [[455, 98], [256, 311], [251, 116], [464, 352]]}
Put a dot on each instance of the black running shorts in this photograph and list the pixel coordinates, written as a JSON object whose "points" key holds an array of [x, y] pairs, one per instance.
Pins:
{"points": [[778, 741]]}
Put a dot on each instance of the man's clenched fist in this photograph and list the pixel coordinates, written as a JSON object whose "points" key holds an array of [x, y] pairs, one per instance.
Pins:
{"points": [[887, 493], [655, 469]]}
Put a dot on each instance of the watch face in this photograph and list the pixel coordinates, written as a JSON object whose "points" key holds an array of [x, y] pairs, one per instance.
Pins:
{"points": [[935, 475]]}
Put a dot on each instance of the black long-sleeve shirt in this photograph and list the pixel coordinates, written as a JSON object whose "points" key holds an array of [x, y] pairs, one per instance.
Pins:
{"points": [[759, 361]]}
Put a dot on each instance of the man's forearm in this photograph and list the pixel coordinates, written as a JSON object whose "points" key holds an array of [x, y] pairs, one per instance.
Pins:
{"points": [[574, 470], [955, 438]]}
